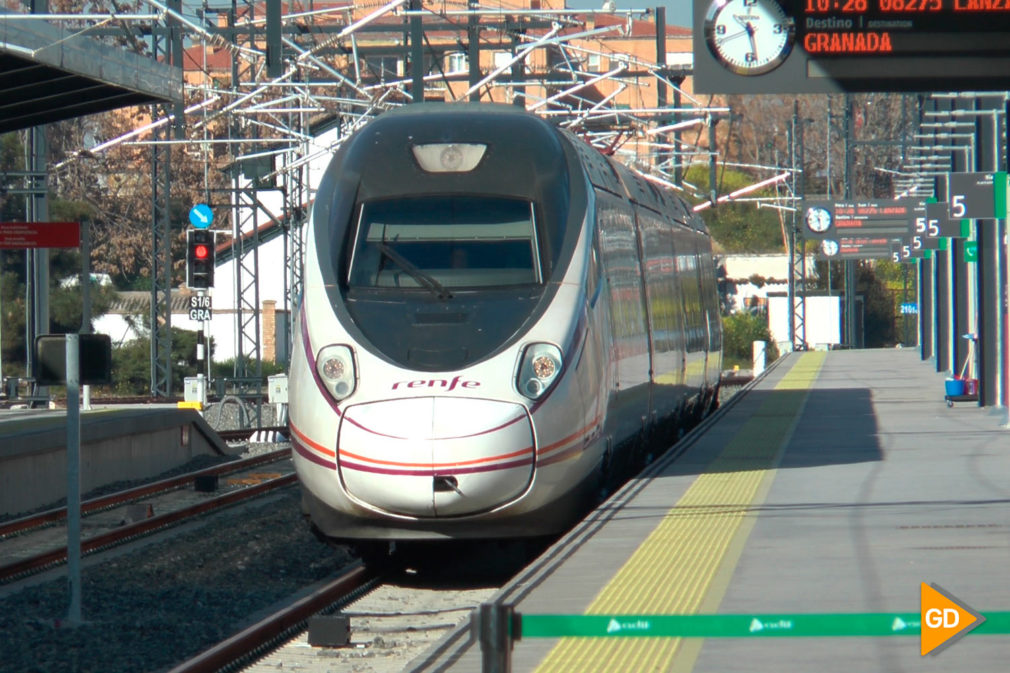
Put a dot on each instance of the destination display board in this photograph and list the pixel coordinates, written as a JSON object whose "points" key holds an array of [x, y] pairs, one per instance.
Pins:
{"points": [[858, 229], [829, 46]]}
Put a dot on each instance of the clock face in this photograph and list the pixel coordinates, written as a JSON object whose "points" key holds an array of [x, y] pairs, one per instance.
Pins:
{"points": [[829, 248], [818, 219], [749, 37]]}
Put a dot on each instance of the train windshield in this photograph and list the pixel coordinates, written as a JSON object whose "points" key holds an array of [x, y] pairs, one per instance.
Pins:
{"points": [[439, 242]]}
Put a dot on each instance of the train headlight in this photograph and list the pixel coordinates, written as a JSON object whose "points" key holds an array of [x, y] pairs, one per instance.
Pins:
{"points": [[539, 368], [335, 365], [449, 157]]}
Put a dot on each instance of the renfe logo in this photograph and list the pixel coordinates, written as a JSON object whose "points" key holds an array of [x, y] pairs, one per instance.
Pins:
{"points": [[437, 383]]}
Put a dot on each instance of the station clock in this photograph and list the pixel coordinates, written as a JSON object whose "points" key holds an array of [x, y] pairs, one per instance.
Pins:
{"points": [[749, 37], [818, 219]]}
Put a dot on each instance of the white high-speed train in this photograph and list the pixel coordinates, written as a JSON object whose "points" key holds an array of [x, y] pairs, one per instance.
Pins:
{"points": [[496, 320]]}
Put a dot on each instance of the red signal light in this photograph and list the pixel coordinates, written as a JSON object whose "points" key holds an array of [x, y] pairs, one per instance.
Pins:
{"points": [[200, 259]]}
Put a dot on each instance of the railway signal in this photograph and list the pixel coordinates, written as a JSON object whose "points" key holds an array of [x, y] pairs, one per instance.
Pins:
{"points": [[199, 259]]}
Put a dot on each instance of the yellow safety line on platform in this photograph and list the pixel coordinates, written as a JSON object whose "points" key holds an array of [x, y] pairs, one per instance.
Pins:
{"points": [[686, 563]]}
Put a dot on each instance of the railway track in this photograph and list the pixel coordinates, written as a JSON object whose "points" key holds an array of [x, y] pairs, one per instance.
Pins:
{"points": [[393, 617], [244, 485], [391, 625], [242, 646], [216, 576], [392, 620], [244, 434]]}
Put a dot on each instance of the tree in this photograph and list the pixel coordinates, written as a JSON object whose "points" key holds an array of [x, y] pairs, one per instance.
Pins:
{"points": [[740, 331], [760, 135], [12, 316], [880, 312], [65, 300], [65, 305], [131, 363], [115, 189], [739, 227], [878, 308]]}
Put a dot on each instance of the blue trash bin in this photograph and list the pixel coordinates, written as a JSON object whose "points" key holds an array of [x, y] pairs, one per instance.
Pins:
{"points": [[954, 387]]}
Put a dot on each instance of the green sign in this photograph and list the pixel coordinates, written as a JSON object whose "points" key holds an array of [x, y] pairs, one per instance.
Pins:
{"points": [[971, 251], [739, 626], [1002, 185]]}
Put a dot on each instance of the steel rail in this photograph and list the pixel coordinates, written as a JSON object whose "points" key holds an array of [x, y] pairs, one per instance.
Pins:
{"points": [[246, 433], [261, 634], [110, 500], [102, 541]]}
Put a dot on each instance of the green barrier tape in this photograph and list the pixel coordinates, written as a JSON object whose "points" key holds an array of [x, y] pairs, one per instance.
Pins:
{"points": [[739, 626]]}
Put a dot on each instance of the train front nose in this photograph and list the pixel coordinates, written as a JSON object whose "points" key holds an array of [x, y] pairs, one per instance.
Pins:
{"points": [[435, 456]]}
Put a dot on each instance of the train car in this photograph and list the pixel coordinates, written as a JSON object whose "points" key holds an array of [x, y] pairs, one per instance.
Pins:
{"points": [[496, 321]]}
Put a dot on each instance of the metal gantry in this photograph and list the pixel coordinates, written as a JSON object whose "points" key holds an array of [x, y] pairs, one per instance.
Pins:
{"points": [[290, 66], [963, 306], [797, 289], [166, 44]]}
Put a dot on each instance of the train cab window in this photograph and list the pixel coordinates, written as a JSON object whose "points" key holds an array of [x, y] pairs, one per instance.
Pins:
{"points": [[447, 242]]}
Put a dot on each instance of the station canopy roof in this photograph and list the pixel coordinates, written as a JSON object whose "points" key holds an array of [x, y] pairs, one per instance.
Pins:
{"points": [[49, 73]]}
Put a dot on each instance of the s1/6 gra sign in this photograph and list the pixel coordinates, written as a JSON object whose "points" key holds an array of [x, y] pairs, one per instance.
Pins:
{"points": [[199, 307]]}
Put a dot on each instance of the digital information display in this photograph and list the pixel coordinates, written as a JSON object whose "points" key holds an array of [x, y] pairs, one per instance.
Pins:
{"points": [[829, 46], [900, 230], [859, 229]]}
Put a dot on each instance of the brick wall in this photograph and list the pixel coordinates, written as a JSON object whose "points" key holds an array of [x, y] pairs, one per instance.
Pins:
{"points": [[268, 321]]}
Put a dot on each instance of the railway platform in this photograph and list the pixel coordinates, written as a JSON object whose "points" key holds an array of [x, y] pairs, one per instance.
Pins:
{"points": [[835, 485], [117, 443]]}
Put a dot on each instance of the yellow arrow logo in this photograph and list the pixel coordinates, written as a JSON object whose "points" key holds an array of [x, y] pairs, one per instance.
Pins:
{"points": [[944, 619]]}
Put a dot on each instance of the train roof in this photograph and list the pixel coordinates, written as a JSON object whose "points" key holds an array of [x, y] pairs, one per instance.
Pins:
{"points": [[616, 178], [520, 157], [524, 155]]}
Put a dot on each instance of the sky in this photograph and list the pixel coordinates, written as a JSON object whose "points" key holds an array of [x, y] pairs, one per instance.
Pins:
{"points": [[678, 12]]}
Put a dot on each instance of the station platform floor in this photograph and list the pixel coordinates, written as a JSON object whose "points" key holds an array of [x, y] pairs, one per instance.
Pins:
{"points": [[117, 443], [28, 430], [838, 483]]}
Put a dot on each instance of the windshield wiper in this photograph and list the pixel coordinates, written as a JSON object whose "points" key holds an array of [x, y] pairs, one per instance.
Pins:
{"points": [[422, 278]]}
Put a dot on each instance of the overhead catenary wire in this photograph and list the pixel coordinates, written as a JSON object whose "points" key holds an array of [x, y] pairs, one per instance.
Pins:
{"points": [[272, 104]]}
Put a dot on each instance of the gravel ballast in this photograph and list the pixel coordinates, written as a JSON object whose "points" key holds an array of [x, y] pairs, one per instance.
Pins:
{"points": [[152, 608]]}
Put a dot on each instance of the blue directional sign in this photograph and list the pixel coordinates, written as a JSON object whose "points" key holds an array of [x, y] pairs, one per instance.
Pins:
{"points": [[200, 216]]}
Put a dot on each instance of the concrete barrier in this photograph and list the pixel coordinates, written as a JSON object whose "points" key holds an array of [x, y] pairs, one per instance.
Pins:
{"points": [[116, 445]]}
